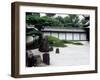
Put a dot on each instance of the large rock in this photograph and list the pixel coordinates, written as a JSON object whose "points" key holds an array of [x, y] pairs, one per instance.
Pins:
{"points": [[44, 45], [46, 58], [30, 61]]}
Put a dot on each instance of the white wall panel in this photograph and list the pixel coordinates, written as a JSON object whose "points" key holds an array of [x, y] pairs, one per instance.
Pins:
{"points": [[69, 36], [76, 36], [46, 34], [55, 35], [62, 36], [83, 36]]}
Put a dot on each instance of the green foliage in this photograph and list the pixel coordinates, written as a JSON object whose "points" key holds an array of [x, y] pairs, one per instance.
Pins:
{"points": [[71, 20], [49, 21], [53, 41], [31, 32], [84, 23], [67, 41], [32, 19], [77, 43], [60, 19]]}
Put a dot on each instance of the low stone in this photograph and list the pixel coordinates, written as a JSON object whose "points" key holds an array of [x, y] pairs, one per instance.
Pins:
{"points": [[57, 50]]}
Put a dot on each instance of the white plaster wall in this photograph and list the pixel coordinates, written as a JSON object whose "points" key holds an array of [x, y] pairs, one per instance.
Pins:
{"points": [[76, 36], [62, 36], [67, 36], [55, 35], [83, 37]]}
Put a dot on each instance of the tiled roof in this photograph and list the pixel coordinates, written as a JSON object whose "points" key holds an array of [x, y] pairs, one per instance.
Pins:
{"points": [[64, 29]]}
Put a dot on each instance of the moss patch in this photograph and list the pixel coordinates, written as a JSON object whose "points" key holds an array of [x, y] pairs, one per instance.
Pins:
{"points": [[53, 41]]}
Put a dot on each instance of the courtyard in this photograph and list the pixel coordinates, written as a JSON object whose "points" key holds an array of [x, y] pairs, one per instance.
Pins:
{"points": [[72, 55]]}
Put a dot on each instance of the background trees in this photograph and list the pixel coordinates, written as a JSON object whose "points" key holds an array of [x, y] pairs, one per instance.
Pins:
{"points": [[70, 20]]}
